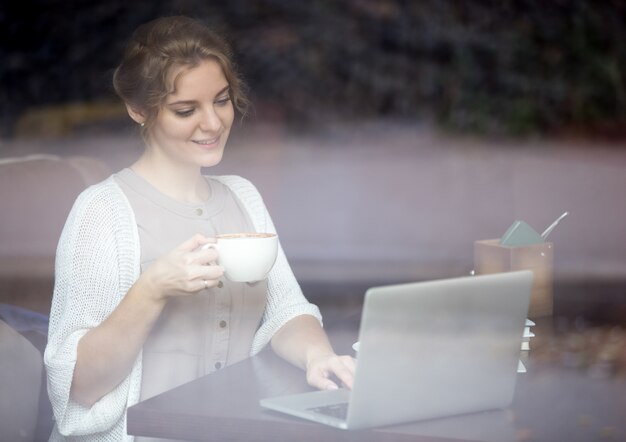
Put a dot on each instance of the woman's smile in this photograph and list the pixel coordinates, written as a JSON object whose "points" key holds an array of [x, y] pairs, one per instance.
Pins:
{"points": [[208, 143]]}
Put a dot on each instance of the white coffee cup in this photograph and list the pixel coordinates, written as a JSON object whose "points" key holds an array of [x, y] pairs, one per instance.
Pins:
{"points": [[246, 257]]}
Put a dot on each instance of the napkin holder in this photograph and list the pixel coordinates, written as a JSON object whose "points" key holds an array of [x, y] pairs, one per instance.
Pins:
{"points": [[490, 256]]}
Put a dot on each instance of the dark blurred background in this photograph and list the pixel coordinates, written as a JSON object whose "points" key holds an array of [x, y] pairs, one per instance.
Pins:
{"points": [[489, 67]]}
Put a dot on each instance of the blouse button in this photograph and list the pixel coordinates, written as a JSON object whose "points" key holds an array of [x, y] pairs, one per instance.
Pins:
{"points": [[220, 285], [222, 324], [218, 365], [199, 211]]}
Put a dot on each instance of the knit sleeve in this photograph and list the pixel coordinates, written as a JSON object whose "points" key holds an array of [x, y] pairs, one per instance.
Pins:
{"points": [[285, 299], [95, 267]]}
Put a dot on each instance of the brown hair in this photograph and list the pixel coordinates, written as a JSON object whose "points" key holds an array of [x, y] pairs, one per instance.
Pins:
{"points": [[143, 78]]}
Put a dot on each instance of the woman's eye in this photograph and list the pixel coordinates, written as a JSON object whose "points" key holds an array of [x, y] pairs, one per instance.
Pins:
{"points": [[184, 113], [222, 101]]}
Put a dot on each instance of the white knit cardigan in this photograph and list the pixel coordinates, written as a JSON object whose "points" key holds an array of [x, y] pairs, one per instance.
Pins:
{"points": [[97, 261]]}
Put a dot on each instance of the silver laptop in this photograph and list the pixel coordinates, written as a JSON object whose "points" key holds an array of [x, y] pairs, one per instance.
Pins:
{"points": [[427, 350]]}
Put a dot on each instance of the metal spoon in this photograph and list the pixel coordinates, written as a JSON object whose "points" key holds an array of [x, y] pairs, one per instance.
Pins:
{"points": [[551, 227]]}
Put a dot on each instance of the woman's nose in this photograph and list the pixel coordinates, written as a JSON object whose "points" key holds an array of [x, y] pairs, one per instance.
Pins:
{"points": [[211, 121]]}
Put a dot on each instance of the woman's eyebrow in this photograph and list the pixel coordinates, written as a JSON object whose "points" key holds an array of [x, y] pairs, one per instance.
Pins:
{"points": [[220, 92], [224, 89]]}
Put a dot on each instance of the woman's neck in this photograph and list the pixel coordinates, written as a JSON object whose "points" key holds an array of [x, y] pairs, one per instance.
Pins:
{"points": [[183, 183]]}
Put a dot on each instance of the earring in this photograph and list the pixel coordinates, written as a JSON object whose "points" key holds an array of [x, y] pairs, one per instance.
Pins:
{"points": [[142, 124]]}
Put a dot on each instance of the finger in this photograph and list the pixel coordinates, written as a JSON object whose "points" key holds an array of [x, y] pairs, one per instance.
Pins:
{"points": [[204, 256], [210, 241], [195, 286], [203, 282], [341, 368], [206, 283], [212, 272], [194, 242], [350, 363], [321, 382]]}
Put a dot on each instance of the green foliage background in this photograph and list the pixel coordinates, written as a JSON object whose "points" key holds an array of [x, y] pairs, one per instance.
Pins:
{"points": [[511, 67]]}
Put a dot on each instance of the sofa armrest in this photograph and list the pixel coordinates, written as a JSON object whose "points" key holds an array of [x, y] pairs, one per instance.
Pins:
{"points": [[36, 195]]}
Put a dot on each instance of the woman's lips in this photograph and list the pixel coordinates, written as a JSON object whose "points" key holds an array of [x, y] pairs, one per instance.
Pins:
{"points": [[213, 142]]}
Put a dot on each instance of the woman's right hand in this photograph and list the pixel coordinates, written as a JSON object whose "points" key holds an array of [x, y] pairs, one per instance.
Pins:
{"points": [[101, 362], [185, 270]]}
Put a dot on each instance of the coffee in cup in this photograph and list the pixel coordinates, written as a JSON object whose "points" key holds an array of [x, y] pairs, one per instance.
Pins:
{"points": [[246, 257]]}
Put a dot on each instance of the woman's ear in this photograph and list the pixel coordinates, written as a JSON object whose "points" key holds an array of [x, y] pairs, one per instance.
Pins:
{"points": [[136, 115]]}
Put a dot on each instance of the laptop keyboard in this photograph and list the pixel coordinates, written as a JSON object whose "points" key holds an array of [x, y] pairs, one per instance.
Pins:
{"points": [[339, 411]]}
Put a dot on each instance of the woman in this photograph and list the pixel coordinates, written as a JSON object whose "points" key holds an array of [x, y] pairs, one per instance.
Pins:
{"points": [[139, 305]]}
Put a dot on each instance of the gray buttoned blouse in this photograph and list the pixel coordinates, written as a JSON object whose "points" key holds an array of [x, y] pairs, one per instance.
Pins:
{"points": [[199, 333]]}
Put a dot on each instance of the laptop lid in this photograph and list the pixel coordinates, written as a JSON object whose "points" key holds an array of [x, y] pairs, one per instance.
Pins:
{"points": [[438, 348]]}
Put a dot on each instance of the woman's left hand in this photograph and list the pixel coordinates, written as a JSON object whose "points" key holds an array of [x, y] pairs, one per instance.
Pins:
{"points": [[322, 371]]}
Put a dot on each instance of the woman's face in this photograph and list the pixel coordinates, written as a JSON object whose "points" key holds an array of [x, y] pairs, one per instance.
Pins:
{"points": [[192, 126]]}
